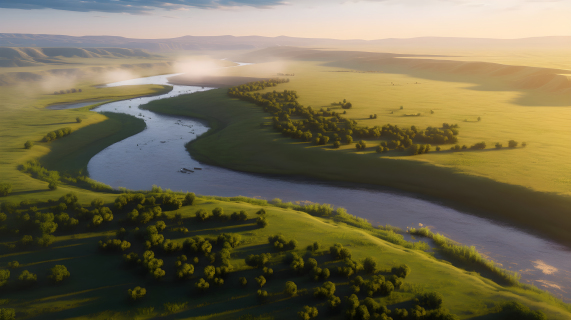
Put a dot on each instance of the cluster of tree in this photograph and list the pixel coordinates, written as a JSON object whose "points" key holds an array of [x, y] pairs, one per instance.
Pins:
{"points": [[53, 135], [256, 85], [136, 293], [37, 171], [114, 245], [67, 91], [7, 314], [280, 243]]}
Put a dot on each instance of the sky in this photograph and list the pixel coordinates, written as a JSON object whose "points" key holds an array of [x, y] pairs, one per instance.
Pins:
{"points": [[339, 19]]}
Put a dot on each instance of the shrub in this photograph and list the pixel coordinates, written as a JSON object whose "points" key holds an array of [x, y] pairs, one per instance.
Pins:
{"points": [[4, 276], [430, 300], [136, 293], [202, 215], [401, 271], [29, 144], [58, 273], [262, 222], [516, 311], [7, 314], [27, 277], [202, 285], [261, 281], [327, 290], [5, 189], [281, 243], [308, 313], [258, 261], [290, 288], [370, 265]]}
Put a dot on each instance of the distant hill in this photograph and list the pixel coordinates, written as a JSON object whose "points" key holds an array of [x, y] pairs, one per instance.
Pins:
{"points": [[258, 42], [29, 56]]}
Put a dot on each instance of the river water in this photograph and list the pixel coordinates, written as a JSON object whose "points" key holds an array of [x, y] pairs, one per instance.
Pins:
{"points": [[156, 155]]}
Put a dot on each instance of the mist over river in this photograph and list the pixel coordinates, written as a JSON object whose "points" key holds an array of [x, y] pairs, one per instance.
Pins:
{"points": [[156, 155]]}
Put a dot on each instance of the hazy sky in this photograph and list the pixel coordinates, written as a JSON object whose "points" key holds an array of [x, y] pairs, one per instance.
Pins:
{"points": [[341, 19]]}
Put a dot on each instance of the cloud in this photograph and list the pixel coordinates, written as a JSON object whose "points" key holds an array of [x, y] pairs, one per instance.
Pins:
{"points": [[132, 6]]}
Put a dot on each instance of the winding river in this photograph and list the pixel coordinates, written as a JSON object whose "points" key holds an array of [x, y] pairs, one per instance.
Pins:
{"points": [[156, 155]]}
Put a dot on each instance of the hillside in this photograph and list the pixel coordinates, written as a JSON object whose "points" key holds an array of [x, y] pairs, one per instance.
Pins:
{"points": [[30, 56]]}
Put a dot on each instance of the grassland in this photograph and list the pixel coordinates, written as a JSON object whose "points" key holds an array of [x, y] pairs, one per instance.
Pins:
{"points": [[99, 281]]}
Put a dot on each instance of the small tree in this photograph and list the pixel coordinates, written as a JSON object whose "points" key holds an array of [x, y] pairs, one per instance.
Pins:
{"points": [[512, 143], [243, 281], [262, 222], [308, 313], [217, 212], [27, 277], [5, 189], [290, 288], [202, 285], [78, 119], [136, 293], [4, 276], [202, 215], [189, 199], [261, 281], [498, 145], [370, 265], [58, 273], [7, 314], [52, 185], [28, 144]]}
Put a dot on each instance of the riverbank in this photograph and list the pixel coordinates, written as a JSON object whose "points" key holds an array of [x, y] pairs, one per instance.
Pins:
{"points": [[237, 141]]}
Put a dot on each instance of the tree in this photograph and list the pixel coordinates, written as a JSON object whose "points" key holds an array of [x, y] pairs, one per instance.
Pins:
{"points": [[333, 302], [217, 212], [290, 288], [363, 313], [261, 281], [58, 273], [336, 144], [523, 144], [243, 281], [5, 189], [262, 222], [189, 199], [262, 295], [4, 276], [97, 203], [209, 272], [78, 119], [13, 264], [512, 143], [348, 139], [52, 185], [202, 285], [27, 278], [7, 314], [325, 291], [308, 313], [370, 265], [136, 293], [202, 215], [431, 300], [28, 144], [401, 271], [498, 145]]}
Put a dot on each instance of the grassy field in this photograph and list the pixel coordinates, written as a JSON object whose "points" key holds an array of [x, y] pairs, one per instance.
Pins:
{"points": [[97, 287], [238, 142]]}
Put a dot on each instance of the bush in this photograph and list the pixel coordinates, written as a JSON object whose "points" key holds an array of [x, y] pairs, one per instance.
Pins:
{"points": [[7, 314], [327, 290], [512, 143], [27, 278], [370, 265], [308, 313], [281, 243], [430, 300], [4, 276], [202, 215], [29, 144], [52, 185], [290, 288], [338, 252], [516, 311], [136, 293], [261, 281], [401, 271], [5, 189], [189, 199], [202, 285], [262, 222], [258, 261], [239, 216], [58, 273]]}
